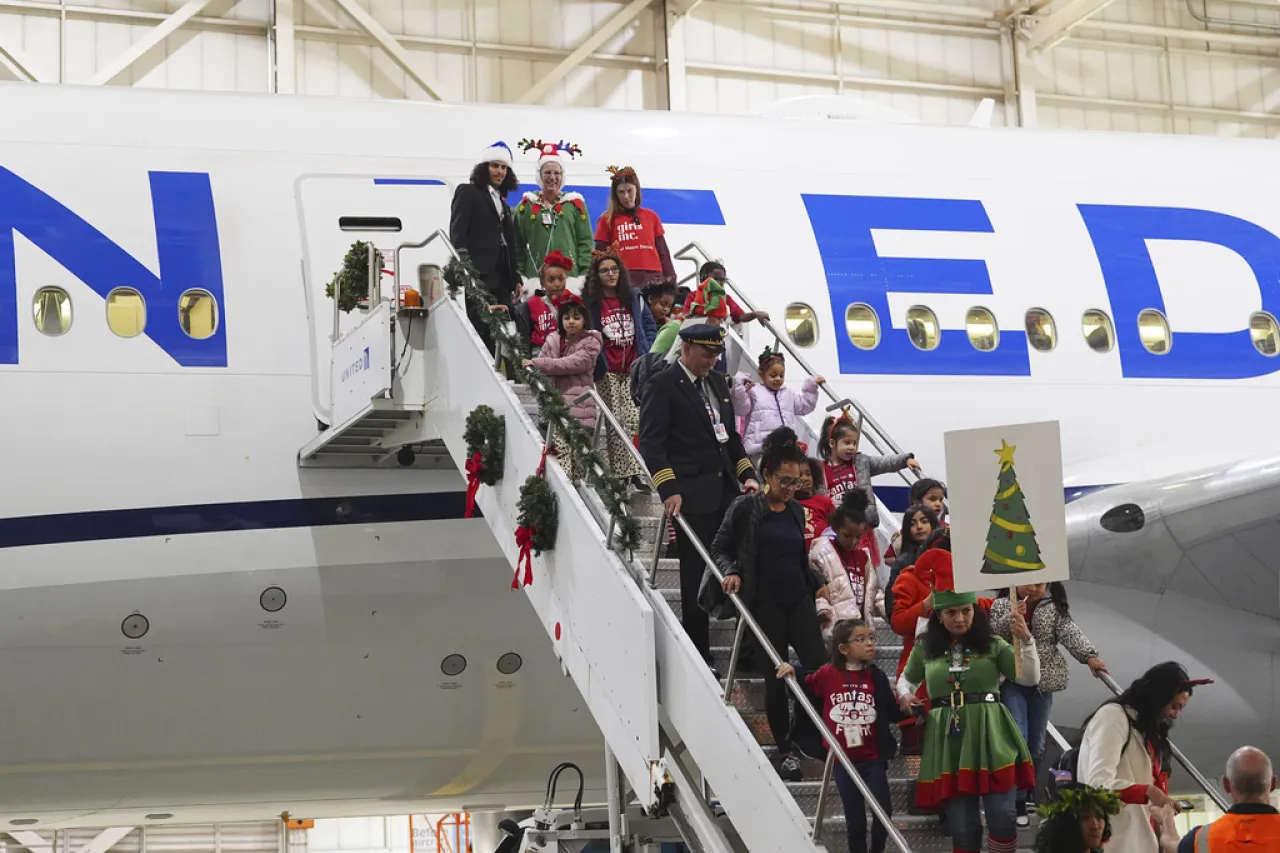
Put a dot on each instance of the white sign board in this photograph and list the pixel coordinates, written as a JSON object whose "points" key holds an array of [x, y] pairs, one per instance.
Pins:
{"points": [[361, 366], [1007, 506]]}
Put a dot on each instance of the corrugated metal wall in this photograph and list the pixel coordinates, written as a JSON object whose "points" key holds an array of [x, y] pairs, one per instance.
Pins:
{"points": [[250, 837], [1145, 65]]}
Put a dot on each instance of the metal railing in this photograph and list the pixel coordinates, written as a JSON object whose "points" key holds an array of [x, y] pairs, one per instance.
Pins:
{"points": [[747, 622]]}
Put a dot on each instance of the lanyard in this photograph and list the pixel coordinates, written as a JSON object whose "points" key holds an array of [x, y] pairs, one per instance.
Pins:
{"points": [[863, 680], [706, 401], [555, 220]]}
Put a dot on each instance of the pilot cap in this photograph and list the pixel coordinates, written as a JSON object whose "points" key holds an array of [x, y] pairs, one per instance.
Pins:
{"points": [[703, 334]]}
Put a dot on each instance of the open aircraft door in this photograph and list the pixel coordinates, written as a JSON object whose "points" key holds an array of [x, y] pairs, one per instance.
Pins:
{"points": [[334, 211]]}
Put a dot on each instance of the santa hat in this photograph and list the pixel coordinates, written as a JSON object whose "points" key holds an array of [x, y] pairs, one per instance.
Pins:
{"points": [[708, 300], [498, 152], [937, 562], [558, 259], [549, 152]]}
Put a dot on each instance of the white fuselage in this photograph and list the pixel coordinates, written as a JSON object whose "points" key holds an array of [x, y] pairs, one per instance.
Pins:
{"points": [[158, 475]]}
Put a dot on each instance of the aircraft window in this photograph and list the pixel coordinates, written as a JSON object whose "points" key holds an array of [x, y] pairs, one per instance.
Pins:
{"points": [[1265, 333], [801, 324], [126, 312], [862, 326], [1126, 518], [51, 308], [198, 314], [922, 327], [1153, 330], [1041, 331], [984, 334], [1098, 332]]}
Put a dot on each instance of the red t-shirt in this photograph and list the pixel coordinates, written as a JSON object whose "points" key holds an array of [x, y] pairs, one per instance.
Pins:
{"points": [[848, 708], [619, 330], [637, 244], [542, 318], [839, 480], [855, 566], [817, 509]]}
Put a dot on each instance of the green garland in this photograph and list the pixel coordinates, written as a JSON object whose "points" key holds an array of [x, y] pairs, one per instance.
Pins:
{"points": [[569, 435], [538, 511], [352, 281], [1080, 800], [486, 434]]}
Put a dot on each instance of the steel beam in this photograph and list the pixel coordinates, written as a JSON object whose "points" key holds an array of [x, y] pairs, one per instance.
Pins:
{"points": [[33, 841], [675, 74], [144, 45], [17, 62], [1055, 26], [393, 48], [106, 839], [607, 30], [285, 70]]}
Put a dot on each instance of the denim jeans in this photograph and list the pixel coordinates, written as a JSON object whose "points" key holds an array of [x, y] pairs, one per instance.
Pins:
{"points": [[965, 821], [876, 775], [1030, 710]]}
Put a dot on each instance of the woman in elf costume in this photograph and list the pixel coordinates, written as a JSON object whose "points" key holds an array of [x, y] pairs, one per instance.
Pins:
{"points": [[972, 749], [552, 220], [1079, 821]]}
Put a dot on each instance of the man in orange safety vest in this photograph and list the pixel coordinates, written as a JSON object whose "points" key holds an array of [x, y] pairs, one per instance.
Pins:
{"points": [[1252, 825]]}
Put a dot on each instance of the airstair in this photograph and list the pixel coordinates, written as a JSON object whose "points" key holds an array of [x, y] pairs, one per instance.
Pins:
{"points": [[681, 743]]}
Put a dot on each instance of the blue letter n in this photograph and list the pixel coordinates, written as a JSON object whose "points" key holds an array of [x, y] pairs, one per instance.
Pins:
{"points": [[186, 243]]}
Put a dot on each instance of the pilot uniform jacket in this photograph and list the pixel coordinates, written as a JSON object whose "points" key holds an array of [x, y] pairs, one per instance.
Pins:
{"points": [[475, 225], [678, 441]]}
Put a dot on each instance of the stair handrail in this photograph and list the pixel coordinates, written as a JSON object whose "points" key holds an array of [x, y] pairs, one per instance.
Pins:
{"points": [[439, 234], [745, 618], [864, 416]]}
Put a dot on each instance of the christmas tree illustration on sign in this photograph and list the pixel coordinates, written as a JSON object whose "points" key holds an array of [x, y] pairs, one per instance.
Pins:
{"points": [[1011, 538]]}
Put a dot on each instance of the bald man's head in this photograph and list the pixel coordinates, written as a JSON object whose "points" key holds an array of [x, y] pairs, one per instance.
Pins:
{"points": [[1249, 777]]}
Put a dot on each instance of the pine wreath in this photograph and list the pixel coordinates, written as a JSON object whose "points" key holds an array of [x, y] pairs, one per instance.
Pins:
{"points": [[571, 437], [352, 281], [539, 512], [486, 436]]}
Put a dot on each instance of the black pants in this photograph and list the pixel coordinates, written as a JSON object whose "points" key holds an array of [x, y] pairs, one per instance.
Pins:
{"points": [[794, 625], [875, 774], [695, 620]]}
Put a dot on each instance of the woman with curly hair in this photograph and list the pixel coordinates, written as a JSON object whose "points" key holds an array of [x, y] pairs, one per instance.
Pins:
{"points": [[1079, 821]]}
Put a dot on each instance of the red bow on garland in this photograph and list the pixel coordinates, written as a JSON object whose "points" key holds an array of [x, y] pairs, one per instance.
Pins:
{"points": [[473, 484], [524, 538], [525, 535]]}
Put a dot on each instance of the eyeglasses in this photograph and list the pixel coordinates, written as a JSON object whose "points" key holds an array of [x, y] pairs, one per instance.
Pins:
{"points": [[608, 271], [866, 638], [788, 482]]}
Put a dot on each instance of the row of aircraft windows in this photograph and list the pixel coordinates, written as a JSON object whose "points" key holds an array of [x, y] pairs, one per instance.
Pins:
{"points": [[126, 312], [862, 325]]}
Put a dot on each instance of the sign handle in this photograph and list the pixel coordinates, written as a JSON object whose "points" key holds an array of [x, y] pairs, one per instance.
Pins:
{"points": [[1017, 643]]}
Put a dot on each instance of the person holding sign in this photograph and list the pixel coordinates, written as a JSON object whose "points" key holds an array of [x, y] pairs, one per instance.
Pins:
{"points": [[1045, 608], [971, 745]]}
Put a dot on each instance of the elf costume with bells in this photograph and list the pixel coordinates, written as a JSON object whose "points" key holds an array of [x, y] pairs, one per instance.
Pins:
{"points": [[971, 744], [563, 225]]}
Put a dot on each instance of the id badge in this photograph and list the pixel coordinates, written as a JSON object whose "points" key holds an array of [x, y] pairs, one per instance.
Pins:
{"points": [[547, 217], [722, 434], [853, 736]]}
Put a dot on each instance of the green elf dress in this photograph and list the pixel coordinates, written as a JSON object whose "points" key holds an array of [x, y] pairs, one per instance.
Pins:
{"points": [[564, 226], [971, 744]]}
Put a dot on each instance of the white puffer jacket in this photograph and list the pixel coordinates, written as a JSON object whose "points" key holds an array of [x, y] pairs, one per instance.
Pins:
{"points": [[844, 604], [762, 411]]}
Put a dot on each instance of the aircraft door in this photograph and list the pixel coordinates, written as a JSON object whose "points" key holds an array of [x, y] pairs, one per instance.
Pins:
{"points": [[335, 211]]}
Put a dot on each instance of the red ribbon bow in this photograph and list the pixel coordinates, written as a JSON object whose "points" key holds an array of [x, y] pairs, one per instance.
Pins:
{"points": [[473, 484], [524, 538]]}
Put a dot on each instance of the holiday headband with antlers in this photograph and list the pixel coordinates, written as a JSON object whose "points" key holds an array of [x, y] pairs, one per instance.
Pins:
{"points": [[610, 251], [621, 173], [769, 354], [571, 148]]}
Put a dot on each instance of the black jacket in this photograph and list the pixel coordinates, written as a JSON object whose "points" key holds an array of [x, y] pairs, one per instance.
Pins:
{"points": [[474, 225], [678, 442], [734, 548]]}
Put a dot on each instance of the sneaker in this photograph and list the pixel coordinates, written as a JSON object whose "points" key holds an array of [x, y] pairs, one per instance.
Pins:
{"points": [[789, 769], [1022, 821]]}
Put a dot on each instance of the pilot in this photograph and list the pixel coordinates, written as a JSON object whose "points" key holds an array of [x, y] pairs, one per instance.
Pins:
{"points": [[690, 442]]}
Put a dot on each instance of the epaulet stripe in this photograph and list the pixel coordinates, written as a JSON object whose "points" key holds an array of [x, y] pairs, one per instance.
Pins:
{"points": [[744, 465], [664, 476]]}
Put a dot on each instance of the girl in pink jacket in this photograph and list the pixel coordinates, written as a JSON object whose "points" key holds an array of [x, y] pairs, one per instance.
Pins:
{"points": [[568, 357], [767, 405]]}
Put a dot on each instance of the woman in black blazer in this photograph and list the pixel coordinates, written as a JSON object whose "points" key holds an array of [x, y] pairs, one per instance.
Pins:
{"points": [[482, 225]]}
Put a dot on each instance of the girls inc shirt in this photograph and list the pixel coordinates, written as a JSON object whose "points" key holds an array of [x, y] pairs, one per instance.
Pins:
{"points": [[636, 238], [542, 312], [855, 566], [619, 330], [849, 708]]}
